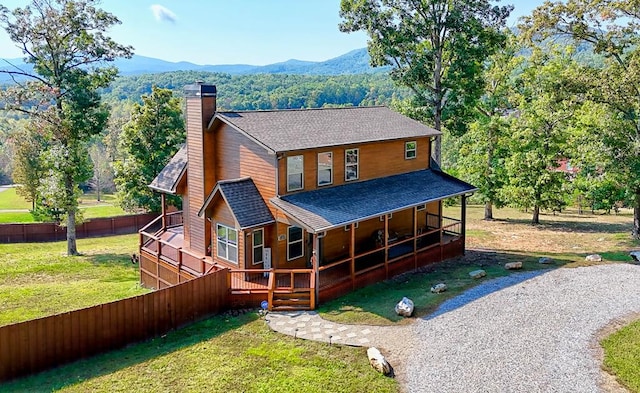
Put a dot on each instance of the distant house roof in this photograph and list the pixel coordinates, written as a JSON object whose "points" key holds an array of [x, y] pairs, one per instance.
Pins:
{"points": [[326, 208], [168, 179], [285, 130], [244, 200]]}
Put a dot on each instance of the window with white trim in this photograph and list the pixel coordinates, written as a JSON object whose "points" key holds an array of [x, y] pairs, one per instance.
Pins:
{"points": [[351, 164], [295, 243], [295, 173], [258, 245], [410, 150], [325, 168], [227, 243]]}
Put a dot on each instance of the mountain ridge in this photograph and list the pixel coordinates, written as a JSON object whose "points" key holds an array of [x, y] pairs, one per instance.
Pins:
{"points": [[352, 62]]}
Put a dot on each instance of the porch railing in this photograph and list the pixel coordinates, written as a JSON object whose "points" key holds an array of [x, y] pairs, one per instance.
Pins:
{"points": [[273, 281]]}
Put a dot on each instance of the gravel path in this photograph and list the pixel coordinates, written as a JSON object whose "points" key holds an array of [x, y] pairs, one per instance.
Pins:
{"points": [[530, 332]]}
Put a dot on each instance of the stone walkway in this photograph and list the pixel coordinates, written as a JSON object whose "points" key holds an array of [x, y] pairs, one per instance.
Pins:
{"points": [[309, 325]]}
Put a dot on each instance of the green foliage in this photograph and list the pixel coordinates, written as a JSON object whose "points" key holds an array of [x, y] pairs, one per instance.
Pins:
{"points": [[148, 141], [612, 28], [436, 48], [539, 138], [64, 40]]}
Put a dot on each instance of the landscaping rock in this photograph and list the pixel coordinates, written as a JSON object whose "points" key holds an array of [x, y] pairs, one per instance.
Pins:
{"points": [[635, 255], [513, 265], [378, 362], [593, 258], [405, 307], [439, 288], [478, 273], [545, 260]]}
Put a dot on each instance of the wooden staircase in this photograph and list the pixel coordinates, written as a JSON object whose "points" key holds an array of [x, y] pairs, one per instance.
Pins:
{"points": [[291, 301]]}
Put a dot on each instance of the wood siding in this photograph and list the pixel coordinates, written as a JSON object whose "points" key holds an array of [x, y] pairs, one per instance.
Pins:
{"points": [[238, 157], [195, 238], [376, 159]]}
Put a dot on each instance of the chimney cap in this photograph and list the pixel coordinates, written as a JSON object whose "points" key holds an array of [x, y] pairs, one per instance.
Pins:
{"points": [[199, 89]]}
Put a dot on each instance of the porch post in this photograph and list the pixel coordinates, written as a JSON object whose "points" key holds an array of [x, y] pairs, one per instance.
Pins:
{"points": [[415, 237], [386, 246], [463, 220], [163, 202], [316, 268], [352, 255]]}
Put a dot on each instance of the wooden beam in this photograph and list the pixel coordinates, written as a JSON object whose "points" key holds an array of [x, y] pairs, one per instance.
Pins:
{"points": [[315, 265], [352, 255], [463, 220], [163, 203], [386, 246], [415, 237]]}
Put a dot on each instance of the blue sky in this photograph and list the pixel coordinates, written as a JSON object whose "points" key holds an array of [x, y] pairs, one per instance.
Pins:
{"points": [[253, 32]]}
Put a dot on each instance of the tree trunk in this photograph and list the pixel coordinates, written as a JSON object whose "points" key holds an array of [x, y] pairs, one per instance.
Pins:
{"points": [[636, 216], [72, 249], [437, 124], [535, 220], [488, 211]]}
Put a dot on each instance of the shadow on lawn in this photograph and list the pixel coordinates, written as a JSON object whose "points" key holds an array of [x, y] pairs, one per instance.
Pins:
{"points": [[549, 223], [129, 356]]}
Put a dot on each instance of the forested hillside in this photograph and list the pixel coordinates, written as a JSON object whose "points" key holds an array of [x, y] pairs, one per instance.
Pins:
{"points": [[267, 91]]}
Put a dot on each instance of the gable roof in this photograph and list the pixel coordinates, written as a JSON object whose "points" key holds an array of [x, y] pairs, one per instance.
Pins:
{"points": [[244, 201], [326, 208], [286, 130], [168, 179]]}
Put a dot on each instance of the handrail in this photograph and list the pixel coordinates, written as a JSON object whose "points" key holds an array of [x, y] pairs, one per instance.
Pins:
{"points": [[333, 264], [144, 228]]}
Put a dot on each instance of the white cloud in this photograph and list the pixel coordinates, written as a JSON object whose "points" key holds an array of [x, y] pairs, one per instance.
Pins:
{"points": [[163, 14]]}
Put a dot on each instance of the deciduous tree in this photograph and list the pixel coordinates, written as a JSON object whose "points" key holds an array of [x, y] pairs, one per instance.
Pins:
{"points": [[435, 47], [612, 27], [148, 142], [65, 42]]}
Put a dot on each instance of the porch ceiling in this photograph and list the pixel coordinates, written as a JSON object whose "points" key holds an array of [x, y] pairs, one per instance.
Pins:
{"points": [[326, 208]]}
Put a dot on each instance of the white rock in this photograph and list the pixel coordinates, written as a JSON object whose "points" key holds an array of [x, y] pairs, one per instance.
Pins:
{"points": [[439, 288], [378, 362], [405, 307], [545, 260], [513, 265], [478, 273], [593, 258]]}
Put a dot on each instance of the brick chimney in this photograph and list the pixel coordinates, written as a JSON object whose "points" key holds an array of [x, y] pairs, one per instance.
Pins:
{"points": [[201, 107]]}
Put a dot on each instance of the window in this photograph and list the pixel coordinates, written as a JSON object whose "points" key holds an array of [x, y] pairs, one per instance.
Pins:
{"points": [[227, 243], [351, 164], [325, 168], [258, 246], [295, 247], [295, 170], [409, 150]]}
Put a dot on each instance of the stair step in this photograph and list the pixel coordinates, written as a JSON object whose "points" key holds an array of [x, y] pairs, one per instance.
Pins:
{"points": [[290, 308], [286, 302]]}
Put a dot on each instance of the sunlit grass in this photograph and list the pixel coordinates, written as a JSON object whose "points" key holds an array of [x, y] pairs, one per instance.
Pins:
{"points": [[622, 355]]}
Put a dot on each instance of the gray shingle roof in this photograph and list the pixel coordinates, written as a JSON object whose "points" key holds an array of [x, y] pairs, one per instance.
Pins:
{"points": [[326, 208], [168, 179], [285, 130], [244, 200]]}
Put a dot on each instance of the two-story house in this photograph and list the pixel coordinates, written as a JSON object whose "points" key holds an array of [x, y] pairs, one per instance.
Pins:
{"points": [[300, 205]]}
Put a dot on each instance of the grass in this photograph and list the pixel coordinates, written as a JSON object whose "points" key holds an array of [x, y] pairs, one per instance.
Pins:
{"points": [[10, 200], [221, 354], [622, 355], [38, 279], [14, 209]]}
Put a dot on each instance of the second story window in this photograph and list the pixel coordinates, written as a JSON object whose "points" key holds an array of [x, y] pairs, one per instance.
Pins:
{"points": [[409, 150], [325, 168], [351, 164], [295, 173]]}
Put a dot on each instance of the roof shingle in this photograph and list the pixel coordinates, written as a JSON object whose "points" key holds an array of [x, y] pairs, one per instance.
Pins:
{"points": [[168, 179], [244, 200], [327, 208], [286, 130]]}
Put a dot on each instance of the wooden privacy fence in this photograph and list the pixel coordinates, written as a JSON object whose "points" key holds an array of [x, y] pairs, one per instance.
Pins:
{"points": [[48, 231], [36, 345]]}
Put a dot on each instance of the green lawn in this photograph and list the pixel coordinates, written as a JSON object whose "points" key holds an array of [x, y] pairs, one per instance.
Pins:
{"points": [[10, 201], [222, 354], [38, 279], [622, 355]]}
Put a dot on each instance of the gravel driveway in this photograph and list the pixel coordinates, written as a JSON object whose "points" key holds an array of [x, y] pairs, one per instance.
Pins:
{"points": [[530, 332]]}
